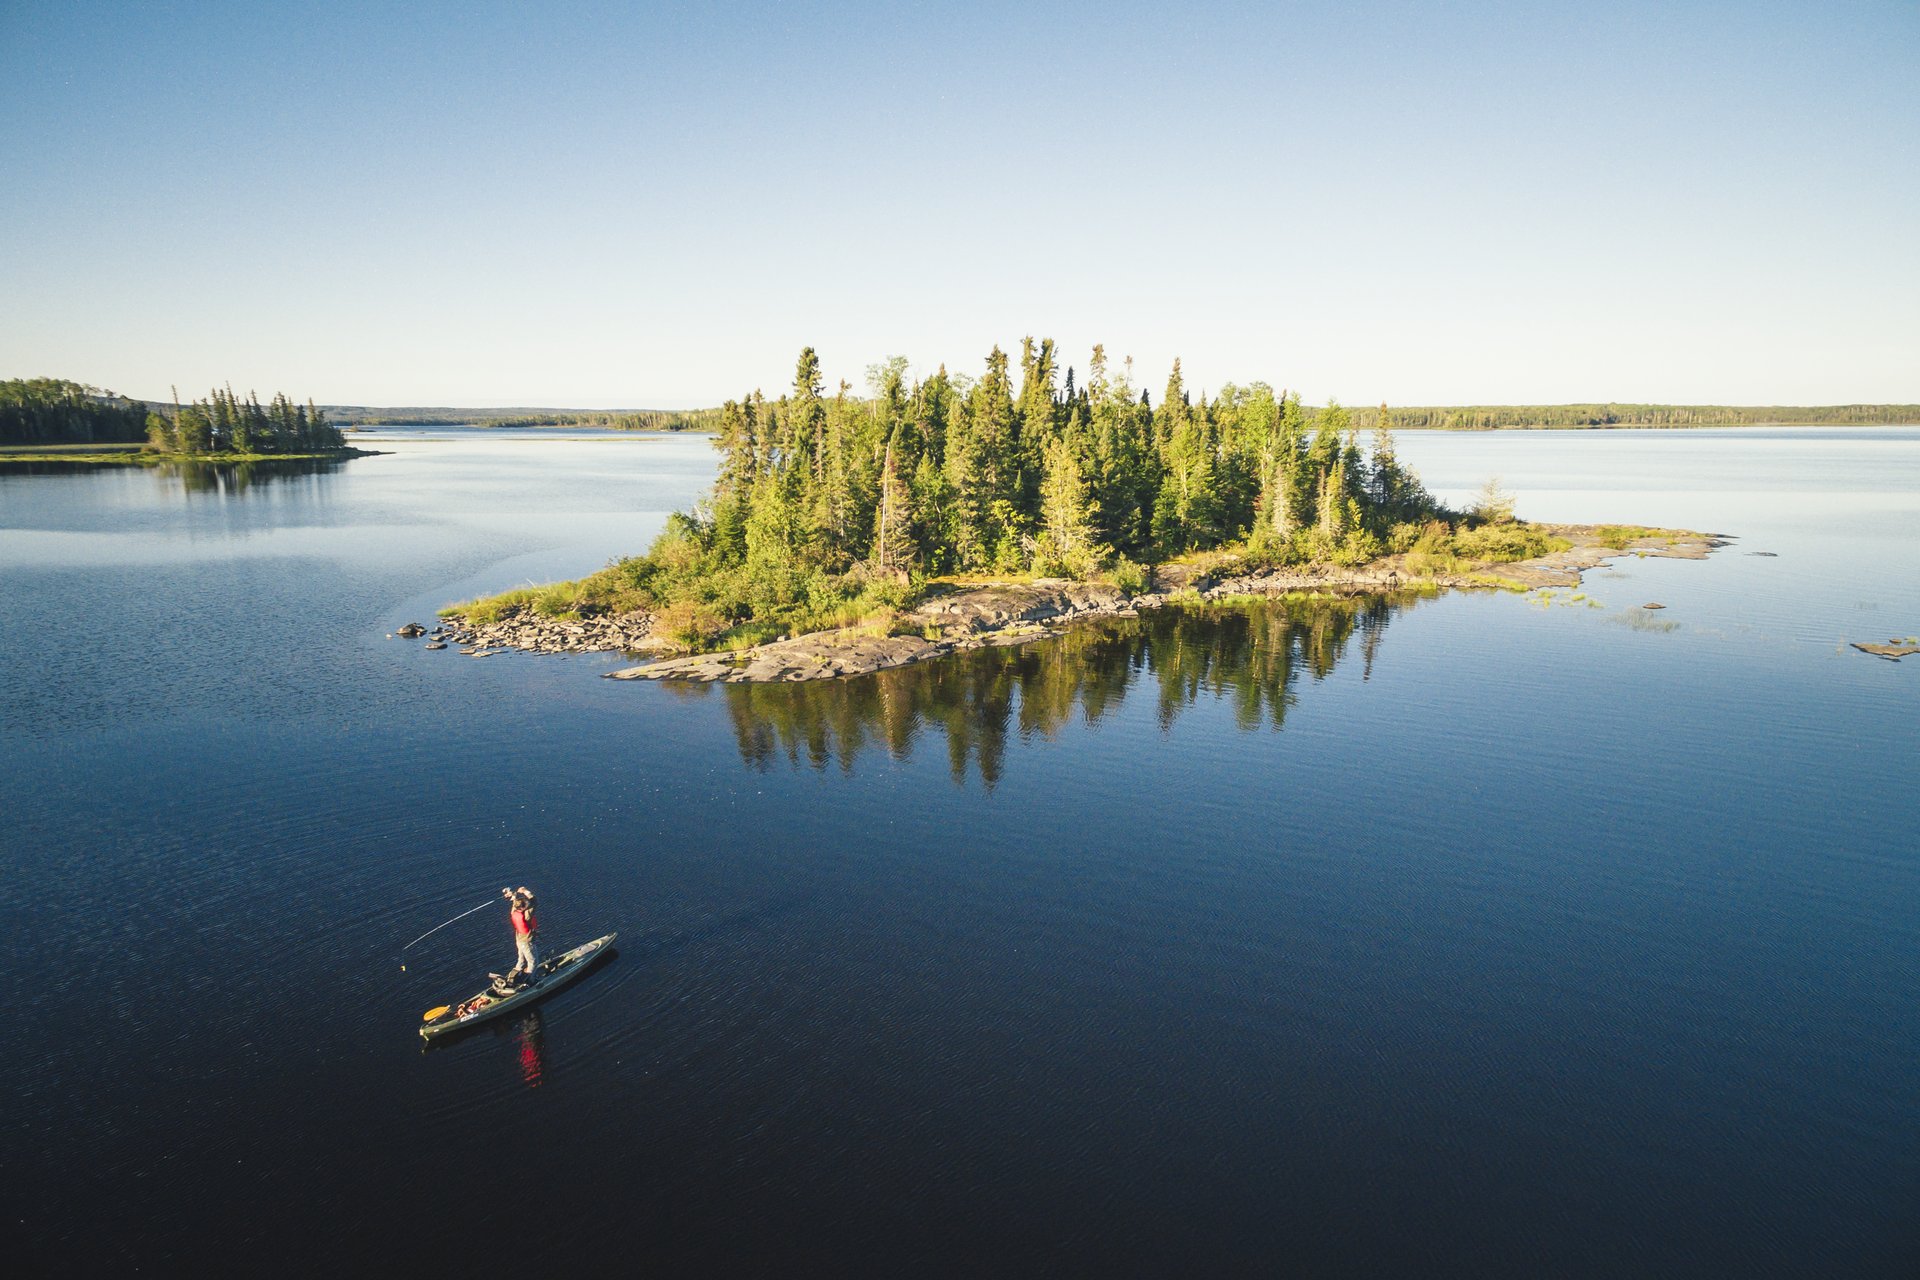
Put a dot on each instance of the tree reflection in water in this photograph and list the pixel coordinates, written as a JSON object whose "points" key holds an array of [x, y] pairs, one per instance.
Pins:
{"points": [[224, 479], [1252, 654], [228, 479]]}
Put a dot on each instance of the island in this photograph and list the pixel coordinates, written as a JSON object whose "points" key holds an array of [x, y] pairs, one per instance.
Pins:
{"points": [[846, 533]]}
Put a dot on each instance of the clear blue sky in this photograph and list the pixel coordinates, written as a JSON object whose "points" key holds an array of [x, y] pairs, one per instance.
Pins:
{"points": [[631, 205]]}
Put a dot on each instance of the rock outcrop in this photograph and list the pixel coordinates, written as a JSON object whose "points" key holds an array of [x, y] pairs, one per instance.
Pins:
{"points": [[1016, 613]]}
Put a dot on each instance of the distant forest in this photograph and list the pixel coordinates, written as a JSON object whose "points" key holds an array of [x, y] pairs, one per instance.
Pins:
{"points": [[611, 419], [1498, 417], [1477, 417], [55, 411]]}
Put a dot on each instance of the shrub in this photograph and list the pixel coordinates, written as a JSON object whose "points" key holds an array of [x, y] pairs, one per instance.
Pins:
{"points": [[1128, 576], [689, 624], [1357, 548], [1506, 542], [1620, 536]]}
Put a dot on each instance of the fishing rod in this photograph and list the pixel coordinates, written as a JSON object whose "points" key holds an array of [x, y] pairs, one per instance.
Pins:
{"points": [[437, 928]]}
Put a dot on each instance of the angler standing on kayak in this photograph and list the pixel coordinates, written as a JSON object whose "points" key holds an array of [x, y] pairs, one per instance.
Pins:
{"points": [[520, 912]]}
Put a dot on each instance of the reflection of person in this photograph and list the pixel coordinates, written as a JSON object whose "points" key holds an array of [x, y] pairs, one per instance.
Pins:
{"points": [[532, 1055], [520, 912]]}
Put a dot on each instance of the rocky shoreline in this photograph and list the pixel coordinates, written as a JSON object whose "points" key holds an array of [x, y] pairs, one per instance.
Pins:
{"points": [[530, 633], [1017, 613]]}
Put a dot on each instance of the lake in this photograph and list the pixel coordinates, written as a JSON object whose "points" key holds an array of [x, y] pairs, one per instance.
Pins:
{"points": [[1476, 934]]}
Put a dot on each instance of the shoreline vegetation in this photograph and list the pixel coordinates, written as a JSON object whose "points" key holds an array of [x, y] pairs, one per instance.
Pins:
{"points": [[847, 533], [52, 420]]}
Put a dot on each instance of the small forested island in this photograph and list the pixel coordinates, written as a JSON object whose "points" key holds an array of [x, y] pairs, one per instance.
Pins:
{"points": [[54, 420], [849, 532]]}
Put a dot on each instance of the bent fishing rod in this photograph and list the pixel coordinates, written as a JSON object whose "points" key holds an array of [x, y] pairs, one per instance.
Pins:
{"points": [[437, 928]]}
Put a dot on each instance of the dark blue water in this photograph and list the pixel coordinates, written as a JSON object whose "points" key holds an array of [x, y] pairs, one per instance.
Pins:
{"points": [[1471, 935]]}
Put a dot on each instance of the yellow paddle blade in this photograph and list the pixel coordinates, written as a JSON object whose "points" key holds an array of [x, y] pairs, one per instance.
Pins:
{"points": [[431, 1014]]}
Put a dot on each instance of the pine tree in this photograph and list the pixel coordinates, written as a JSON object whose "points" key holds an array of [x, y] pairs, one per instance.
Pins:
{"points": [[893, 544], [1068, 541]]}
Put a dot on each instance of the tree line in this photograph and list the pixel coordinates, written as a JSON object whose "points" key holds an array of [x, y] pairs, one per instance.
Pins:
{"points": [[610, 419], [1025, 470], [832, 508], [1574, 416], [223, 423], [56, 411]]}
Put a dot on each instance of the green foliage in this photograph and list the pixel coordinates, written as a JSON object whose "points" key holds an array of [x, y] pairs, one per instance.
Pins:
{"points": [[1506, 543], [828, 508], [55, 411], [1492, 504], [225, 424], [1129, 577], [1621, 536]]}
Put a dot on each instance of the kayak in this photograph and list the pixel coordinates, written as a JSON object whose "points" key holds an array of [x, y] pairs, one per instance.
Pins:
{"points": [[554, 974]]}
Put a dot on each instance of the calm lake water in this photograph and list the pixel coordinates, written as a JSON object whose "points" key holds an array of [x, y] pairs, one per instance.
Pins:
{"points": [[1466, 935]]}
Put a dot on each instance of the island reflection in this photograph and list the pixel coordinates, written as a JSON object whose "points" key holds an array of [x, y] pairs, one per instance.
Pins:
{"points": [[1253, 655], [223, 479]]}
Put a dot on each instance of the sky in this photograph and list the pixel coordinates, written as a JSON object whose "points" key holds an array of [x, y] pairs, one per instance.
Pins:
{"points": [[658, 205]]}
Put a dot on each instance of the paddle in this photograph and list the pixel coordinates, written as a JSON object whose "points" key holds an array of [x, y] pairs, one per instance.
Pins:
{"points": [[431, 1014]]}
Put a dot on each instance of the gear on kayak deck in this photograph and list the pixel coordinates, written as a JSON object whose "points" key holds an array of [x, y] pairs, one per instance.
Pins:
{"points": [[509, 991]]}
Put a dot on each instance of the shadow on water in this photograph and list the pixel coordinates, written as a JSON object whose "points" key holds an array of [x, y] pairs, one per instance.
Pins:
{"points": [[1253, 655]]}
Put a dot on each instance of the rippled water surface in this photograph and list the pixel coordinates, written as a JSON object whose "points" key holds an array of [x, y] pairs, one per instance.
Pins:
{"points": [[1471, 934]]}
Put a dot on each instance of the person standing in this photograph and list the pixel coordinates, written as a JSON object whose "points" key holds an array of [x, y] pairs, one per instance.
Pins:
{"points": [[525, 929]]}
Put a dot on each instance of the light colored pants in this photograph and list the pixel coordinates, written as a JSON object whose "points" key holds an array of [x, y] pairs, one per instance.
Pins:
{"points": [[523, 943]]}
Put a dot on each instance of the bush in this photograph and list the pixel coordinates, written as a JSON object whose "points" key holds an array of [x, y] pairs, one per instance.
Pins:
{"points": [[1506, 542], [689, 624], [1358, 548], [1129, 577], [1620, 536]]}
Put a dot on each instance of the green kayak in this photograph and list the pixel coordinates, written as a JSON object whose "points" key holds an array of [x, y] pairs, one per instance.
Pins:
{"points": [[554, 974]]}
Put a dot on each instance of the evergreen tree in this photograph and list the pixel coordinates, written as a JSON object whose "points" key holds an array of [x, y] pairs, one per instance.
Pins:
{"points": [[893, 542], [1068, 542]]}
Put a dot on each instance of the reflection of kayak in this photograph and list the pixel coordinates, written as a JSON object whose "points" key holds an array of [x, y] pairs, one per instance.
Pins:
{"points": [[554, 974]]}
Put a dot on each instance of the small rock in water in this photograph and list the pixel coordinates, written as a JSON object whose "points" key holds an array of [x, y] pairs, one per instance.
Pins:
{"points": [[1653, 606], [1770, 555], [436, 644], [411, 630]]}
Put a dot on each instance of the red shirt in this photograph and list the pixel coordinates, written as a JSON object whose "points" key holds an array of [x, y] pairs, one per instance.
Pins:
{"points": [[522, 921]]}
